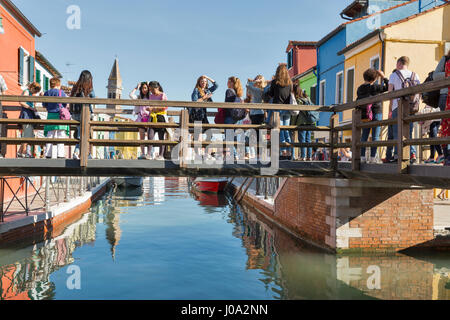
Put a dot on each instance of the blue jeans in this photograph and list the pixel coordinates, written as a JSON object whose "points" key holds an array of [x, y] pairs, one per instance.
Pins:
{"points": [[285, 137], [305, 137], [375, 136], [434, 128], [392, 135]]}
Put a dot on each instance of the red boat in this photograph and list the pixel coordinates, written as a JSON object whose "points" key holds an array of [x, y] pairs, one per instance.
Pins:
{"points": [[210, 185]]}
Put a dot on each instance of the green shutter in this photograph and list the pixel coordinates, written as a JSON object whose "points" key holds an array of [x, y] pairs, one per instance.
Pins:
{"points": [[21, 57], [38, 76], [45, 83], [31, 69], [2, 29]]}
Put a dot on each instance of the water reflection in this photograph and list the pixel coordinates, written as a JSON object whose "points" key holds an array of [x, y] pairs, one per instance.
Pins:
{"points": [[284, 267]]}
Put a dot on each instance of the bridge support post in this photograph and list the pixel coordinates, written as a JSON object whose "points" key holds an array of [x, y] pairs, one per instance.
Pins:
{"points": [[85, 135], [334, 138], [356, 140], [402, 135], [47, 194], [184, 137]]}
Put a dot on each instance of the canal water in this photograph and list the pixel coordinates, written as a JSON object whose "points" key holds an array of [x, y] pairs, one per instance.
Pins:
{"points": [[162, 241]]}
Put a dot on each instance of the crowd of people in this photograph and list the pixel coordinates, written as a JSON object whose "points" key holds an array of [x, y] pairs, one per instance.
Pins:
{"points": [[279, 90]]}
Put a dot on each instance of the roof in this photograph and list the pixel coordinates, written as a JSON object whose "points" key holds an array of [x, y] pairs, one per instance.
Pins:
{"points": [[354, 8], [377, 31], [19, 16], [305, 73], [343, 25], [115, 72], [42, 60], [301, 44]]}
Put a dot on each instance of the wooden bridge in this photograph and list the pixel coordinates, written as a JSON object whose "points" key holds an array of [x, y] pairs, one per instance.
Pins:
{"points": [[400, 174]]}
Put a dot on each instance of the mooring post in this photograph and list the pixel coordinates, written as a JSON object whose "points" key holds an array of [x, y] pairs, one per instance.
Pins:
{"points": [[47, 194], [402, 134], [356, 139], [27, 210], [67, 193], [334, 138], [184, 137], [85, 135], [2, 197]]}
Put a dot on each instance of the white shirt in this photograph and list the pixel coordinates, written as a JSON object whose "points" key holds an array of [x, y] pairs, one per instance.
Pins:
{"points": [[395, 80], [3, 86]]}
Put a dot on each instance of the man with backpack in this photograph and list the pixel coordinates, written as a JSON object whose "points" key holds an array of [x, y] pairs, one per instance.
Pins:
{"points": [[402, 78]]}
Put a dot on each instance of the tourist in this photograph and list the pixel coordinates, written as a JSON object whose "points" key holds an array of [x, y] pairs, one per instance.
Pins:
{"points": [[372, 112], [445, 124], [396, 83], [432, 127], [301, 119], [83, 88], [345, 154], [255, 89], [280, 90], [28, 111], [234, 94], [202, 93], [55, 131], [142, 113], [157, 114]]}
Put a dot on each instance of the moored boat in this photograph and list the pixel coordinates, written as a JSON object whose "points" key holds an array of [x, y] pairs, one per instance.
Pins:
{"points": [[132, 182], [210, 184]]}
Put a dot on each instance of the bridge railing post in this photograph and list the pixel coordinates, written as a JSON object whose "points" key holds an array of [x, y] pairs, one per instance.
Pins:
{"points": [[184, 137], [85, 135], [402, 134], [356, 139], [2, 198], [334, 138]]}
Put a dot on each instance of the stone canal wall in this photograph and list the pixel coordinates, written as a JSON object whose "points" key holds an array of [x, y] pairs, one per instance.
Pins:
{"points": [[347, 215], [46, 225]]}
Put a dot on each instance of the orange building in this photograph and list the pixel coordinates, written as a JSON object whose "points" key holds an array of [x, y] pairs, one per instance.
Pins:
{"points": [[17, 56]]}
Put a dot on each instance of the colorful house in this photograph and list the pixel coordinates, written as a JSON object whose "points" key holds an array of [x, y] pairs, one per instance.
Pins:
{"points": [[366, 17], [45, 71], [302, 61], [423, 37]]}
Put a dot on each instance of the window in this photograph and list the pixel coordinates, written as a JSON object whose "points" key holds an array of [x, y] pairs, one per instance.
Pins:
{"points": [[339, 99], [2, 29], [375, 64], [322, 93], [45, 83], [350, 83], [26, 68], [38, 76], [313, 94], [290, 59]]}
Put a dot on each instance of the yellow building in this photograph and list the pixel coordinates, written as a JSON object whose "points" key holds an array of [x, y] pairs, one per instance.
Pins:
{"points": [[423, 37], [126, 152]]}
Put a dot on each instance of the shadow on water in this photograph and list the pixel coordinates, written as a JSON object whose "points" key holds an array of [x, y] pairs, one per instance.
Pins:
{"points": [[285, 267]]}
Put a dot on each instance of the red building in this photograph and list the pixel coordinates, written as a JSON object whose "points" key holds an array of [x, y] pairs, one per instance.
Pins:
{"points": [[301, 56]]}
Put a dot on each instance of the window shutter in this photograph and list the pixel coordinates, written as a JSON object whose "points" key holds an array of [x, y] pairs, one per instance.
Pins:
{"points": [[313, 95], [31, 69], [38, 76], [21, 58], [45, 83]]}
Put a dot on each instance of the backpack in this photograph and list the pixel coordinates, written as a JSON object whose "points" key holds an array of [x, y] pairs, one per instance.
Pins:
{"points": [[195, 114], [311, 117], [413, 100], [220, 116], [431, 98], [76, 108], [64, 113], [237, 113]]}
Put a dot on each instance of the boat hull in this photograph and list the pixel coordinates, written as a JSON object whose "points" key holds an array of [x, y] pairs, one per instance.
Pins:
{"points": [[213, 186]]}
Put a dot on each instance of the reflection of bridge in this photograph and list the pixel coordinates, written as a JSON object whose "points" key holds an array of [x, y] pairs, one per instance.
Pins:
{"points": [[402, 174]]}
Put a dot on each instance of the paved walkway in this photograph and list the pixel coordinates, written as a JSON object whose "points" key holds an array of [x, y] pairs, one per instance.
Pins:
{"points": [[442, 214]]}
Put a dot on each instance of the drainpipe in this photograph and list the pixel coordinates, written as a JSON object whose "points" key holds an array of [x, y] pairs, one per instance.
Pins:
{"points": [[420, 6], [383, 50]]}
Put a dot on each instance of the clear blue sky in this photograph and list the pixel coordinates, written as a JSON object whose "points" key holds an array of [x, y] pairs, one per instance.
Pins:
{"points": [[174, 42]]}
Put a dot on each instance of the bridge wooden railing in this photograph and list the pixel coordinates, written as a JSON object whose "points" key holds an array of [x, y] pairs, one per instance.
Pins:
{"points": [[87, 126]]}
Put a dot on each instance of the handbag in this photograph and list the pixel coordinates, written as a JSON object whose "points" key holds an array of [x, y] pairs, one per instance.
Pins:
{"points": [[64, 113], [293, 102], [220, 116]]}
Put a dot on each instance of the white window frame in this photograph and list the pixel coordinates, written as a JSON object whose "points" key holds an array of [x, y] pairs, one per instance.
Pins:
{"points": [[373, 59], [322, 95], [336, 96], [346, 82], [25, 70]]}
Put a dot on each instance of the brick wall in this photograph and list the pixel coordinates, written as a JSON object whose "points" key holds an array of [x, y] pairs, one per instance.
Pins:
{"points": [[347, 215]]}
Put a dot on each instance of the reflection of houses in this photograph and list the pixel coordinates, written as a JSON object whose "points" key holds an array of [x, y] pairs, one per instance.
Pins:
{"points": [[29, 278]]}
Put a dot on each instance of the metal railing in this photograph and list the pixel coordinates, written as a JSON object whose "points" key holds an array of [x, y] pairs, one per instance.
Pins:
{"points": [[32, 196]]}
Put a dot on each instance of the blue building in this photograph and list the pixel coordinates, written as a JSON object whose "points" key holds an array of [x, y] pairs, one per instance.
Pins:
{"points": [[364, 17]]}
